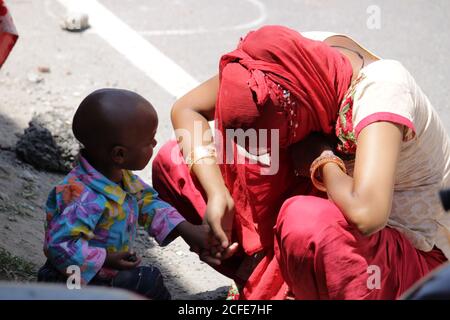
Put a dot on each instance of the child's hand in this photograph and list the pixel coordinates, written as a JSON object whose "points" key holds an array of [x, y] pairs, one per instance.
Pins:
{"points": [[203, 242], [196, 236], [214, 256], [219, 216], [122, 260]]}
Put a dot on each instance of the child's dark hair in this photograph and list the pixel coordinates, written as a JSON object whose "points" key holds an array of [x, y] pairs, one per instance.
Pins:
{"points": [[104, 114]]}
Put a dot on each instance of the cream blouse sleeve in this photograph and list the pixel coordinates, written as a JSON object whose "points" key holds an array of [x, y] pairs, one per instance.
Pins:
{"points": [[384, 94]]}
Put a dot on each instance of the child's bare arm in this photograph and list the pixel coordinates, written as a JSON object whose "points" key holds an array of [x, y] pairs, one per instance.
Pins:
{"points": [[196, 236]]}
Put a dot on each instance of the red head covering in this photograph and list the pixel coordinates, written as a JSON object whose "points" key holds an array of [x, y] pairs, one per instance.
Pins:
{"points": [[275, 79], [315, 76]]}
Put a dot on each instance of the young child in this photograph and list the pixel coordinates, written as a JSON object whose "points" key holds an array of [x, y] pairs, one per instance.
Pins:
{"points": [[93, 213]]}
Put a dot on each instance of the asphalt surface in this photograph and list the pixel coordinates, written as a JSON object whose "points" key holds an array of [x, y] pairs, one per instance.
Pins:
{"points": [[193, 34]]}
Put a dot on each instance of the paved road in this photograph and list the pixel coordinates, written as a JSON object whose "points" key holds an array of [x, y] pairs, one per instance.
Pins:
{"points": [[192, 35]]}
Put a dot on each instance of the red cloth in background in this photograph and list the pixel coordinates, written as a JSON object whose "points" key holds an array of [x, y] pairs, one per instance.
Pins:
{"points": [[8, 33]]}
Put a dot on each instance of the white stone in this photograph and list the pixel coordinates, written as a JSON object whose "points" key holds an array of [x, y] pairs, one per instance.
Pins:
{"points": [[75, 21]]}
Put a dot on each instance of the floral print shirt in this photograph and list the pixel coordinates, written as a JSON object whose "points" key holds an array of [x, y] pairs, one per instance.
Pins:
{"points": [[88, 215]]}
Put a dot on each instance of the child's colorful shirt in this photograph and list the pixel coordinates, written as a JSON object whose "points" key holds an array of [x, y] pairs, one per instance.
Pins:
{"points": [[88, 215]]}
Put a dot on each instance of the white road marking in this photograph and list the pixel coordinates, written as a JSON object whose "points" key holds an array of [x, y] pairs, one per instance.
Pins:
{"points": [[49, 11], [181, 32], [142, 54]]}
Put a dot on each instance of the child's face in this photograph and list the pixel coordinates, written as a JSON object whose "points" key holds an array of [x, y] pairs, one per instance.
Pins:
{"points": [[137, 141], [140, 152]]}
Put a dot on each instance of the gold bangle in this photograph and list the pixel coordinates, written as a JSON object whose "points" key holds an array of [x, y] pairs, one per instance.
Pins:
{"points": [[319, 163], [200, 152], [198, 159]]}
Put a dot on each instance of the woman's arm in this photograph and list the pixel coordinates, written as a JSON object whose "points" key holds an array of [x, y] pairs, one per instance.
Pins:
{"points": [[366, 199], [190, 116]]}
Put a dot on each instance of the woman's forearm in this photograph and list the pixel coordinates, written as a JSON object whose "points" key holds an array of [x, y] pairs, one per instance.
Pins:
{"points": [[340, 189], [190, 116], [366, 198], [192, 130]]}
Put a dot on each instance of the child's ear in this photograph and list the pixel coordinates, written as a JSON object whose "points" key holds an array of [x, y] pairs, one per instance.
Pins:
{"points": [[118, 155]]}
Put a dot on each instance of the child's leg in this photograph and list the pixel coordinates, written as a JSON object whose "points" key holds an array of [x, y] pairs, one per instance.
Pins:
{"points": [[48, 273], [147, 281]]}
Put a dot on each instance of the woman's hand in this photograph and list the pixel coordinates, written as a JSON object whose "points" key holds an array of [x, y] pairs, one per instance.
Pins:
{"points": [[219, 216], [198, 107], [217, 258], [304, 152], [204, 243]]}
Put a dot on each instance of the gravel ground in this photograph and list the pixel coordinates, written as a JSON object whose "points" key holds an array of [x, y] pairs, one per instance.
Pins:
{"points": [[54, 69]]}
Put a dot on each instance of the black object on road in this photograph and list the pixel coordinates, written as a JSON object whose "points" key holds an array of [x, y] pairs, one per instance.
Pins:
{"points": [[445, 198]]}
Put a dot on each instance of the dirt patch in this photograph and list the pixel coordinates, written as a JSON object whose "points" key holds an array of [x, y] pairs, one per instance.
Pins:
{"points": [[48, 143], [13, 268]]}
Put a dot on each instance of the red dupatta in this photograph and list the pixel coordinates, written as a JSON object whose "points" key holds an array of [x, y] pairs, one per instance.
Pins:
{"points": [[314, 75]]}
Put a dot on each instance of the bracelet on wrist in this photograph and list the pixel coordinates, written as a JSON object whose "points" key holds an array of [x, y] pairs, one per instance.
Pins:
{"points": [[199, 153], [317, 165]]}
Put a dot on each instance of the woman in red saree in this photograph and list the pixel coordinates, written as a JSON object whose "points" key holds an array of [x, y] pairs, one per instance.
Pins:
{"points": [[272, 241]]}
